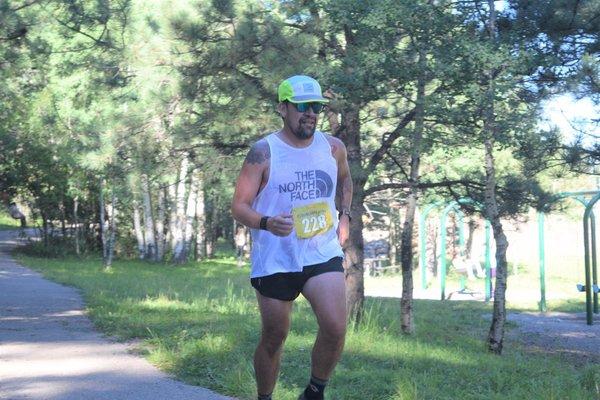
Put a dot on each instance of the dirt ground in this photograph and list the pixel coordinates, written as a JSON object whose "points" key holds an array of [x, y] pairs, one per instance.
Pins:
{"points": [[555, 332]]}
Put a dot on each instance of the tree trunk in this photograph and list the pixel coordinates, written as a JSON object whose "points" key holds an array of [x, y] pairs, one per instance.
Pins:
{"points": [[63, 218], [16, 213], [394, 232], [200, 252], [112, 212], [190, 213], [172, 201], [137, 228], [469, 244], [179, 229], [354, 260], [406, 256], [211, 237], [76, 222], [392, 237], [496, 333], [406, 252], [349, 133], [160, 225], [432, 246], [188, 223], [103, 225], [45, 232], [453, 227], [149, 238]]}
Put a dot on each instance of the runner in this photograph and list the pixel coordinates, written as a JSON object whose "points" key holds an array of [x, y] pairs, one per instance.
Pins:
{"points": [[286, 193]]}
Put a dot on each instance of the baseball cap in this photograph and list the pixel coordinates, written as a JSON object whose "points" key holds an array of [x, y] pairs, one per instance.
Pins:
{"points": [[300, 89]]}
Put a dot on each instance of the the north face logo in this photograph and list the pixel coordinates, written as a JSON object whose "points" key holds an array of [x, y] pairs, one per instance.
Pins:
{"points": [[324, 183], [312, 184]]}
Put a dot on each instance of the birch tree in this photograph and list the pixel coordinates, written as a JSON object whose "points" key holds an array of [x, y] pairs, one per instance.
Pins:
{"points": [[137, 228], [496, 333], [150, 251], [160, 224], [108, 223], [104, 230], [112, 228], [178, 212], [200, 235], [190, 214]]}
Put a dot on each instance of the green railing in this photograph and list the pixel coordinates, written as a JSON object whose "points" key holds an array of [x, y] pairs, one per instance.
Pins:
{"points": [[590, 257], [449, 206]]}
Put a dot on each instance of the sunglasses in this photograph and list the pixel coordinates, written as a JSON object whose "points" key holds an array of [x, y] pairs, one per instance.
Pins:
{"points": [[303, 107]]}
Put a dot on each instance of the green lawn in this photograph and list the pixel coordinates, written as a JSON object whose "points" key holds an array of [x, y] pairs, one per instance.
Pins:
{"points": [[7, 222], [200, 323], [523, 291]]}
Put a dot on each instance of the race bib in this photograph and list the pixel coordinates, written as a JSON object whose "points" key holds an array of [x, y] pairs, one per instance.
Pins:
{"points": [[312, 220]]}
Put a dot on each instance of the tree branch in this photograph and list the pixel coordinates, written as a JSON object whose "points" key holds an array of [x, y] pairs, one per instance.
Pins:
{"points": [[388, 141], [98, 41], [16, 35], [24, 5], [422, 185]]}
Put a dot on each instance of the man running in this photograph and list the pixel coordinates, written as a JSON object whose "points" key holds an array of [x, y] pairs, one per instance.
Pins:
{"points": [[286, 193]]}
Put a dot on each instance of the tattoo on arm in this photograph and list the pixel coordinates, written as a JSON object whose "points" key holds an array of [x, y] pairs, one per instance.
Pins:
{"points": [[259, 153]]}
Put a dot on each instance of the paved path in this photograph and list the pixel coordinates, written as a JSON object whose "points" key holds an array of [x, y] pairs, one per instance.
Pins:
{"points": [[49, 349]]}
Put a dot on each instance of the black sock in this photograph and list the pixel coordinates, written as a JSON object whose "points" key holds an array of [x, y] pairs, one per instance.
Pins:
{"points": [[264, 396], [315, 389]]}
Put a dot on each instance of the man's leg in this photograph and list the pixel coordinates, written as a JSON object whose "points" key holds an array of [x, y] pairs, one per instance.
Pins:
{"points": [[275, 317], [327, 296]]}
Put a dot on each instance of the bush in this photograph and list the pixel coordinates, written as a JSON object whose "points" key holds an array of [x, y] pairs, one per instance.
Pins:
{"points": [[56, 247]]}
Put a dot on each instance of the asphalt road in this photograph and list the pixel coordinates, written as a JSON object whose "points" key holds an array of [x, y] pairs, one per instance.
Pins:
{"points": [[49, 349]]}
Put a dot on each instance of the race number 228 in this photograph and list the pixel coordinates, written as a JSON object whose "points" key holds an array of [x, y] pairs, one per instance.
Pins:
{"points": [[312, 219], [314, 223]]}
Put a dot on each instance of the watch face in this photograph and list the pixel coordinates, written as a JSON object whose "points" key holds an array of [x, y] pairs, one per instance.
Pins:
{"points": [[345, 212]]}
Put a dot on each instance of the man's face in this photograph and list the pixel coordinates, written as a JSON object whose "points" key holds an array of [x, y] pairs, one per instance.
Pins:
{"points": [[301, 124]]}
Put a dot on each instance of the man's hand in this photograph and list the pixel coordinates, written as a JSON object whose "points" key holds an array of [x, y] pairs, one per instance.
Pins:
{"points": [[343, 230], [280, 225]]}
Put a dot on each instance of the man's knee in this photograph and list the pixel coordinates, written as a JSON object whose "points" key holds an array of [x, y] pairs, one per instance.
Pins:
{"points": [[272, 340], [334, 332]]}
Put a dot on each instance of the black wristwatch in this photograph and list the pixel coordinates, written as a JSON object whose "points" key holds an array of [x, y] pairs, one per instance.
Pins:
{"points": [[345, 211], [263, 223]]}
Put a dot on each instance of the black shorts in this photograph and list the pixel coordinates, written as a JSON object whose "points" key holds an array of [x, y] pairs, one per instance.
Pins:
{"points": [[287, 286]]}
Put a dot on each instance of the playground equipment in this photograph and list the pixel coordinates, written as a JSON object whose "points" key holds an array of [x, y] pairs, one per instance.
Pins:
{"points": [[590, 257], [591, 267], [590, 287], [451, 206]]}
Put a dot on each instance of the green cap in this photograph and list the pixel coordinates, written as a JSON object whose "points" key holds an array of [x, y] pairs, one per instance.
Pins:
{"points": [[300, 89]]}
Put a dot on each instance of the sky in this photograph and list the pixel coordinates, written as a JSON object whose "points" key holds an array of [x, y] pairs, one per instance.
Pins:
{"points": [[570, 114]]}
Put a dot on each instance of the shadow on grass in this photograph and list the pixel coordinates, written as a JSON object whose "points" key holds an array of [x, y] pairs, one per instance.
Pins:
{"points": [[200, 323]]}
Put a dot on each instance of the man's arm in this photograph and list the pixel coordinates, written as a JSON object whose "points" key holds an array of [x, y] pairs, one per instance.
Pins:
{"points": [[249, 184], [250, 181]]}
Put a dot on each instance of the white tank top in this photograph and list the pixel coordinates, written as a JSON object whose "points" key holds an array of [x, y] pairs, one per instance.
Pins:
{"points": [[301, 181]]}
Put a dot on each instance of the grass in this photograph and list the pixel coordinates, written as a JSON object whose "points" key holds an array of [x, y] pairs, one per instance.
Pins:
{"points": [[200, 323], [7, 222], [523, 292]]}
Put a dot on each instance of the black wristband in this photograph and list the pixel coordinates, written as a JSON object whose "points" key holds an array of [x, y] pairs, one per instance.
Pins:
{"points": [[263, 223]]}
